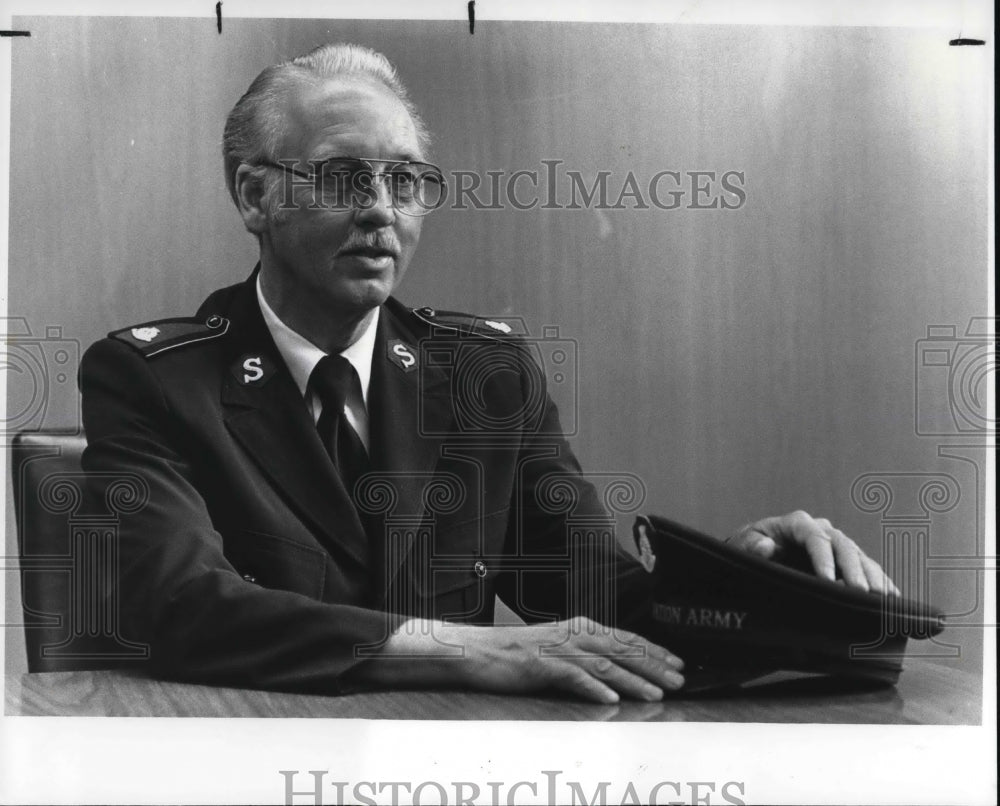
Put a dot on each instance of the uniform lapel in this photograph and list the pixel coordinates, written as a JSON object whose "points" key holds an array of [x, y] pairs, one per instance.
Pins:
{"points": [[270, 419], [410, 413]]}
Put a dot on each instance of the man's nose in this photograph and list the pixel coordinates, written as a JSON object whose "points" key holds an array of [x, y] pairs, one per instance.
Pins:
{"points": [[376, 209]]}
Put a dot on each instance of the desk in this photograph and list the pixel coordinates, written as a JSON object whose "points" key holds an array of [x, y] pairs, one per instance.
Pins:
{"points": [[926, 694]]}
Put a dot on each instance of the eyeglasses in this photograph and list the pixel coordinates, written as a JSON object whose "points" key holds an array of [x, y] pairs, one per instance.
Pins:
{"points": [[343, 183]]}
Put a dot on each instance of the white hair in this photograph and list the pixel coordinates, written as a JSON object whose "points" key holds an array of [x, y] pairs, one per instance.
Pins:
{"points": [[254, 126]]}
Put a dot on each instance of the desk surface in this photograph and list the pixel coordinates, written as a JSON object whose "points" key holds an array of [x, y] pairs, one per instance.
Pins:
{"points": [[926, 694]]}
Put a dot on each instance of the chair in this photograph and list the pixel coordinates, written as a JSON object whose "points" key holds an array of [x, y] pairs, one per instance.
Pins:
{"points": [[67, 527]]}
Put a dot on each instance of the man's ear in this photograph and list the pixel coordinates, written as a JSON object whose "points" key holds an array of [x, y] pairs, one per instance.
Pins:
{"points": [[249, 187]]}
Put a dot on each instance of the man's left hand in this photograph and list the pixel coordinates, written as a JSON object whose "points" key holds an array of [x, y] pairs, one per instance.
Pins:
{"points": [[832, 554]]}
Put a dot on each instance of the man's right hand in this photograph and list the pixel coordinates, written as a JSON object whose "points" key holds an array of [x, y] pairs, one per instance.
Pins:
{"points": [[577, 656]]}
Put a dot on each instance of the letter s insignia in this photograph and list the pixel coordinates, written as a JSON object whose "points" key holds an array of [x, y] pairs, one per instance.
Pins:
{"points": [[252, 372], [405, 355], [253, 369], [402, 355]]}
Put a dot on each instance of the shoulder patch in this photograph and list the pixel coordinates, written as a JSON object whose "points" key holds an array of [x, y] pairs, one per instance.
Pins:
{"points": [[153, 338], [494, 327]]}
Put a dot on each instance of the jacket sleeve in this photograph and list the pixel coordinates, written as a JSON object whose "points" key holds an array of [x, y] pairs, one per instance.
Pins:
{"points": [[562, 553], [176, 590]]}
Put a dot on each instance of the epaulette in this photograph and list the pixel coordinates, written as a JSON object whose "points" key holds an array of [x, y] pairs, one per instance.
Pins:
{"points": [[500, 328], [153, 338]]}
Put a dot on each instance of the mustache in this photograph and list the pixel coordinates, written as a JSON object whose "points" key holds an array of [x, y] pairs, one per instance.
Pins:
{"points": [[371, 242]]}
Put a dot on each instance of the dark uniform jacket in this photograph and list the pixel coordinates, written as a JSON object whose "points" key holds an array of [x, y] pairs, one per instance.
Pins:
{"points": [[250, 565]]}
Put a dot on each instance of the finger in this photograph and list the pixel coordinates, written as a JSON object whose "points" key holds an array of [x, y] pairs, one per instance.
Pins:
{"points": [[635, 653], [574, 679], [627, 645], [761, 546], [755, 539], [595, 638], [819, 546], [848, 558], [801, 529], [622, 680], [877, 580], [886, 585], [638, 660], [657, 671]]}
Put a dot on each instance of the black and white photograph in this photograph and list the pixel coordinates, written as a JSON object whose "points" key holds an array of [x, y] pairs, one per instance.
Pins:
{"points": [[498, 403]]}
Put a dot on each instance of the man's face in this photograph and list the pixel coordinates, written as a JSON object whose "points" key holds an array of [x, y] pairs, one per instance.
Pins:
{"points": [[334, 262]]}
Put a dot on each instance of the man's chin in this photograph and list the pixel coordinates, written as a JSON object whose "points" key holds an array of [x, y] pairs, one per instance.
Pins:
{"points": [[370, 293], [352, 286]]}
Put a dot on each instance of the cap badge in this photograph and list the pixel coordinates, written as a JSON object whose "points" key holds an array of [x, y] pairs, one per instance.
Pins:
{"points": [[646, 556], [145, 333]]}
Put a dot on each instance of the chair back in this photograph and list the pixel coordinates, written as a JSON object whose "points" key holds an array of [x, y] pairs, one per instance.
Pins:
{"points": [[67, 530]]}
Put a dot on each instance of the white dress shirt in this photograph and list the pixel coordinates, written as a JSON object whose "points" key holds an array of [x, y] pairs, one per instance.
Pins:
{"points": [[301, 356]]}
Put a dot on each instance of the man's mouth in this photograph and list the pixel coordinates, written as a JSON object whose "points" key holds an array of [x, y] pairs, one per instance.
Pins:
{"points": [[373, 255], [370, 251]]}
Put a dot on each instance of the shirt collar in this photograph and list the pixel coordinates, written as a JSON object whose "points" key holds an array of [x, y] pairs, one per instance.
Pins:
{"points": [[301, 355]]}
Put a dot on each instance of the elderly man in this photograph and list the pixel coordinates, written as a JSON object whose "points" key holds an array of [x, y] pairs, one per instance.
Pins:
{"points": [[288, 429]]}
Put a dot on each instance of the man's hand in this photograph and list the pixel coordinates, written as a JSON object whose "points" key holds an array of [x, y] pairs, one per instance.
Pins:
{"points": [[832, 554], [577, 656]]}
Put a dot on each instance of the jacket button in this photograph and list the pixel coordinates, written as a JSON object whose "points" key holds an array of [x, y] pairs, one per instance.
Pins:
{"points": [[479, 568], [214, 321], [427, 311], [250, 578]]}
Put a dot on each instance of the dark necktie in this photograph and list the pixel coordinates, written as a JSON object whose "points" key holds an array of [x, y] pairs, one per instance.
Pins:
{"points": [[332, 379]]}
